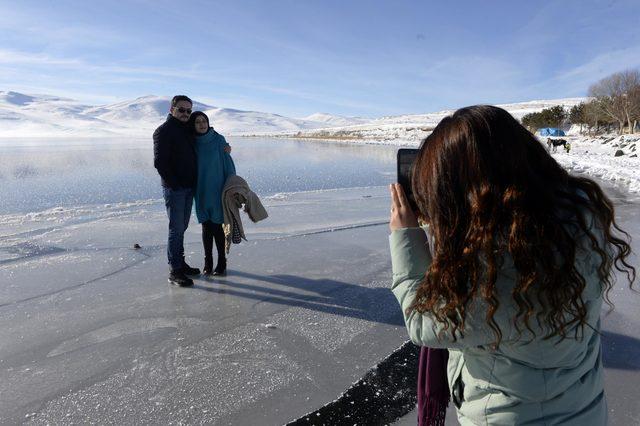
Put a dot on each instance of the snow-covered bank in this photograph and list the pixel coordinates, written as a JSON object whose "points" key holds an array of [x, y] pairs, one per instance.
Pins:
{"points": [[407, 129], [612, 158]]}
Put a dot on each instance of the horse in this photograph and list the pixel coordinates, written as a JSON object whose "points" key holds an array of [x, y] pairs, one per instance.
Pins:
{"points": [[553, 144]]}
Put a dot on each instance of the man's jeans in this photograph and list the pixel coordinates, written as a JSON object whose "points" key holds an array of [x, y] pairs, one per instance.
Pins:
{"points": [[178, 203]]}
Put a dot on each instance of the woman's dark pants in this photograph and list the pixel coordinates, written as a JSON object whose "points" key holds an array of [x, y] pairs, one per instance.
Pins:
{"points": [[210, 232]]}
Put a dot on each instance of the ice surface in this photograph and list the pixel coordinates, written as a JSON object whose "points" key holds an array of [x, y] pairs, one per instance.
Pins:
{"points": [[92, 332]]}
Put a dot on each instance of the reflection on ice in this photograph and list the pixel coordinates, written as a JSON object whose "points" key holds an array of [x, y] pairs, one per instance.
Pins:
{"points": [[41, 176]]}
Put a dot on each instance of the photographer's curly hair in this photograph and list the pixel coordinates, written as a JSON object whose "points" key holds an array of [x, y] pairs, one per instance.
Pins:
{"points": [[488, 188]]}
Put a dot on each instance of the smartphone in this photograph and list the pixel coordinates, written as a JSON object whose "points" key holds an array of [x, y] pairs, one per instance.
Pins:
{"points": [[406, 158]]}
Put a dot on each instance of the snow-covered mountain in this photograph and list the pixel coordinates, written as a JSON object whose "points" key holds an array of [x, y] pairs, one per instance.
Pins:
{"points": [[29, 115], [23, 115], [146, 109], [333, 120], [236, 122]]}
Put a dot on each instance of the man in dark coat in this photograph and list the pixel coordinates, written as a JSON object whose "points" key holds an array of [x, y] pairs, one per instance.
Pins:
{"points": [[175, 159]]}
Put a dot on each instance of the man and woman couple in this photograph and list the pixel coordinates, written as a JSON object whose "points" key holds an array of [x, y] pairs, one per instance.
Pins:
{"points": [[193, 161]]}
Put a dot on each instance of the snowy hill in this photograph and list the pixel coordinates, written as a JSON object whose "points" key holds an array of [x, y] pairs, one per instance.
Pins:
{"points": [[409, 129], [29, 115], [333, 120], [146, 109], [518, 110], [236, 122], [24, 115]]}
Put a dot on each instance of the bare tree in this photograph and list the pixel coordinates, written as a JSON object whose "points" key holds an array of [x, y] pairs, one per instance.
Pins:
{"points": [[595, 117], [634, 108], [615, 96], [630, 101]]}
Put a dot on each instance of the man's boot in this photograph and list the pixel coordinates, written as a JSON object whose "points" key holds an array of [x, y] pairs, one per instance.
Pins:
{"points": [[188, 270], [180, 279]]}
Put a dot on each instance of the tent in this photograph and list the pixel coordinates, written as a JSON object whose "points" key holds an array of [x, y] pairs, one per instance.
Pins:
{"points": [[550, 131]]}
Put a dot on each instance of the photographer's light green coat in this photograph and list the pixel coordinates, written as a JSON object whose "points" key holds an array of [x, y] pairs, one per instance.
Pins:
{"points": [[543, 382]]}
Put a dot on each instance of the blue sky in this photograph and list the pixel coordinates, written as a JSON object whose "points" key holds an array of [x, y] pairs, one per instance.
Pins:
{"points": [[297, 57]]}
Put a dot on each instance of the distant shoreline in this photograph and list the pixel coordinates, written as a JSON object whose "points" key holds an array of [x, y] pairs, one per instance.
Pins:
{"points": [[351, 141]]}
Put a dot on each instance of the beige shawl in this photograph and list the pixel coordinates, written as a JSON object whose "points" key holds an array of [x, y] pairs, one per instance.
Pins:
{"points": [[235, 193]]}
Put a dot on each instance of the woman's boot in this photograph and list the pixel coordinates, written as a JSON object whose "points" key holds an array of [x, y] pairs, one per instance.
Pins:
{"points": [[207, 243], [218, 234], [208, 265]]}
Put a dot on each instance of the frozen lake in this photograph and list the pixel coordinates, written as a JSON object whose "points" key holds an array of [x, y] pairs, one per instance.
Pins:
{"points": [[90, 330], [41, 174]]}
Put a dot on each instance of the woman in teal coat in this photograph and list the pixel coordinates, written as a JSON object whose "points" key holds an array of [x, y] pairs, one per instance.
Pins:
{"points": [[509, 272], [215, 165]]}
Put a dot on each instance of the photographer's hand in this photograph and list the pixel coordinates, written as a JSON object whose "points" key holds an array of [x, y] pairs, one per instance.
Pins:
{"points": [[402, 216]]}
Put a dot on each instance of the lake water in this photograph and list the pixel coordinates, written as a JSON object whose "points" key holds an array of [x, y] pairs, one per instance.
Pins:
{"points": [[40, 174]]}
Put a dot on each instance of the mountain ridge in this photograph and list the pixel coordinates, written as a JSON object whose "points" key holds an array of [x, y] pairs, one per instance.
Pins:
{"points": [[31, 115]]}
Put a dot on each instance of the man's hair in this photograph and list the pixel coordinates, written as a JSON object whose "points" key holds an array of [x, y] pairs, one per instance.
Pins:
{"points": [[179, 98]]}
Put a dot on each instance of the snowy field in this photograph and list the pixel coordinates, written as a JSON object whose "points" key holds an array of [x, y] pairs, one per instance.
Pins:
{"points": [[92, 332]]}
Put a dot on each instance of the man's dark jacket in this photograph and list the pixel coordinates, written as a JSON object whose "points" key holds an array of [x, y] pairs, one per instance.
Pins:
{"points": [[174, 154]]}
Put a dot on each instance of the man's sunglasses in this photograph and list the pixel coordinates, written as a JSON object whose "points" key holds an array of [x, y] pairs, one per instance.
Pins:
{"points": [[183, 110]]}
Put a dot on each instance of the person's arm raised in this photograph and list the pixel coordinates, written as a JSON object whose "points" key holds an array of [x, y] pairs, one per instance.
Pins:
{"points": [[410, 260], [401, 214]]}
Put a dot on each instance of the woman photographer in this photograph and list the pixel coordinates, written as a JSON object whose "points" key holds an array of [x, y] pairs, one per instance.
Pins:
{"points": [[511, 273]]}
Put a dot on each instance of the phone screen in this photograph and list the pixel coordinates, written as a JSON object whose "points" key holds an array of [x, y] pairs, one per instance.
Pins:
{"points": [[406, 158]]}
